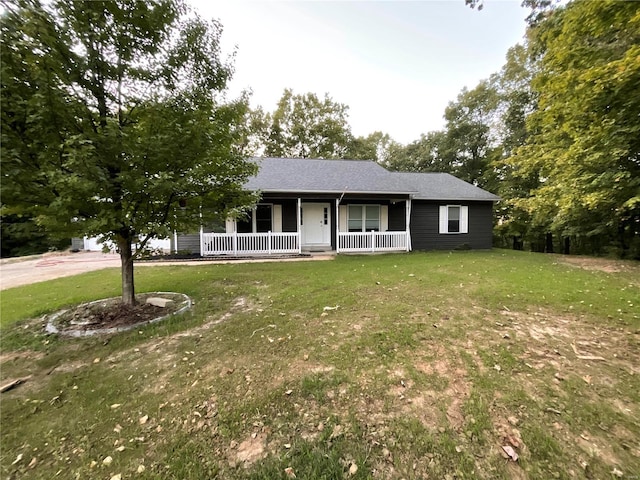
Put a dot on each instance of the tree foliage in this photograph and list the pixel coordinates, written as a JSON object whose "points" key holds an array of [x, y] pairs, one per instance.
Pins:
{"points": [[305, 126], [584, 137], [114, 123]]}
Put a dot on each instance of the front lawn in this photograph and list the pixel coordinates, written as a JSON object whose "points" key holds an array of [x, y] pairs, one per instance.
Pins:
{"points": [[421, 365]]}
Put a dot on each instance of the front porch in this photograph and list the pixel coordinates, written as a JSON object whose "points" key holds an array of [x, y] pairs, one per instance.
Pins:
{"points": [[274, 243], [288, 225]]}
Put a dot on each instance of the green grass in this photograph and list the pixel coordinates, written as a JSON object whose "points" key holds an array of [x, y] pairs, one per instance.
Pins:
{"points": [[430, 364]]}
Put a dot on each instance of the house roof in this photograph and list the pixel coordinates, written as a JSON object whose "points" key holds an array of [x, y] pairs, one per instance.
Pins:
{"points": [[306, 175], [442, 186], [326, 176]]}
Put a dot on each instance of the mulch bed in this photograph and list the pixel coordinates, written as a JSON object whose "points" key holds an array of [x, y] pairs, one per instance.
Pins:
{"points": [[110, 315], [91, 317]]}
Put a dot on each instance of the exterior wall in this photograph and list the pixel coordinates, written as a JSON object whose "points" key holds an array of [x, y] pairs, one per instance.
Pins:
{"points": [[289, 215], [397, 216], [425, 226], [188, 243]]}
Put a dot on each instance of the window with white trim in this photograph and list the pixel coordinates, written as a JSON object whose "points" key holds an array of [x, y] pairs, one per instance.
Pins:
{"points": [[363, 218], [454, 219]]}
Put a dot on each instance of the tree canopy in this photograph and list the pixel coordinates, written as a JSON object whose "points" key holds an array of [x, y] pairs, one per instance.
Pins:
{"points": [[114, 121], [306, 126], [584, 136]]}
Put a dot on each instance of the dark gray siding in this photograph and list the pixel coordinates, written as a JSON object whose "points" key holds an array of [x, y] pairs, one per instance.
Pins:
{"points": [[425, 226], [289, 216], [397, 216]]}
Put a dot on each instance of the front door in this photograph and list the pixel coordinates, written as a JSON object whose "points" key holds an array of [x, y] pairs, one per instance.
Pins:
{"points": [[316, 224]]}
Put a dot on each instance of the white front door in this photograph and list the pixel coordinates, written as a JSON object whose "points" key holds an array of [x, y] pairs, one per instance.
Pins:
{"points": [[316, 224]]}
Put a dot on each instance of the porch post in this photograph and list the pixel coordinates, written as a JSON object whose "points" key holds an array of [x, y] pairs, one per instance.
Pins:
{"points": [[175, 241], [337, 225], [407, 221], [201, 238], [299, 225]]}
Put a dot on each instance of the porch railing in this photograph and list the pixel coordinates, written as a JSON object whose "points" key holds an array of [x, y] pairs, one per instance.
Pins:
{"points": [[372, 241], [250, 243]]}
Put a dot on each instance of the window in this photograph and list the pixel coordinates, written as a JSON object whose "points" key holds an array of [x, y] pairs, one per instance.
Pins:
{"points": [[363, 218], [261, 220], [454, 219]]}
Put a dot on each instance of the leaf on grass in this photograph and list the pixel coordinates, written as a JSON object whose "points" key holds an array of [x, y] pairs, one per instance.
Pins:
{"points": [[289, 472], [508, 449]]}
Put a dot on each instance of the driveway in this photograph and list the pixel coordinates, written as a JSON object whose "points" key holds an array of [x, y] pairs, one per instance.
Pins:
{"points": [[23, 271], [15, 272]]}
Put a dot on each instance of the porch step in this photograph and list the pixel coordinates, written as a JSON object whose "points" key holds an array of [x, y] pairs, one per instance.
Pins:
{"points": [[318, 249]]}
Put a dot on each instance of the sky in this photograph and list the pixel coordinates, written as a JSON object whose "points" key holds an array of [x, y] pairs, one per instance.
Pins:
{"points": [[396, 64]]}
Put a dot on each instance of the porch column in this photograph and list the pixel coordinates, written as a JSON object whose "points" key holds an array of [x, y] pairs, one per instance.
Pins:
{"points": [[337, 225], [407, 222], [201, 238], [299, 224]]}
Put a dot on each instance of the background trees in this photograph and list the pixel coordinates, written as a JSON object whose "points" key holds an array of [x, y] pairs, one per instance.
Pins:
{"points": [[305, 126], [112, 122], [584, 136]]}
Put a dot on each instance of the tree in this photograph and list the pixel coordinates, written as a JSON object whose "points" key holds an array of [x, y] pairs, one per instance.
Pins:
{"points": [[422, 155], [113, 121], [584, 141], [304, 126], [375, 146]]}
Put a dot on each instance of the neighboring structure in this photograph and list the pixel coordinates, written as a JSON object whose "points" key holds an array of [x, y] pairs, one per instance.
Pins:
{"points": [[349, 206], [94, 245]]}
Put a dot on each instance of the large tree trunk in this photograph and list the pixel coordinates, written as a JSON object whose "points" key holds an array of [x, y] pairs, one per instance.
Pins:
{"points": [[126, 268]]}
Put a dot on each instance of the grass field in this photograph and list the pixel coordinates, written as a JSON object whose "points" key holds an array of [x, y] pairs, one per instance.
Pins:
{"points": [[430, 365]]}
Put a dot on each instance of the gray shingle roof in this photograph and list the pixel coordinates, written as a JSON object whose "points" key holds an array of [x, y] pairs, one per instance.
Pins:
{"points": [[442, 186], [357, 176], [317, 175]]}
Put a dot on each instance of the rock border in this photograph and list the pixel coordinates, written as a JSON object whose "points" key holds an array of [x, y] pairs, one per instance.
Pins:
{"points": [[52, 329]]}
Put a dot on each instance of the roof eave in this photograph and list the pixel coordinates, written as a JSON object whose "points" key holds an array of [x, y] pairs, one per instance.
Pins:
{"points": [[336, 192]]}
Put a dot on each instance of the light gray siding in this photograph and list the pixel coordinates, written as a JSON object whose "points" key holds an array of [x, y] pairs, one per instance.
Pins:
{"points": [[188, 243]]}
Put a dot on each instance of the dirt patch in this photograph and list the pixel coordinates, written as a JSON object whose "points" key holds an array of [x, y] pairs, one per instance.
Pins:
{"points": [[596, 264], [249, 451], [12, 356]]}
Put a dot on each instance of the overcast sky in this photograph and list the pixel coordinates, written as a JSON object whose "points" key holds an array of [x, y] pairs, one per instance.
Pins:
{"points": [[395, 64]]}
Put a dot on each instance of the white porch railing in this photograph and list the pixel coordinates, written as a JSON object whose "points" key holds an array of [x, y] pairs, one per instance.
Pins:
{"points": [[249, 243], [372, 241]]}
